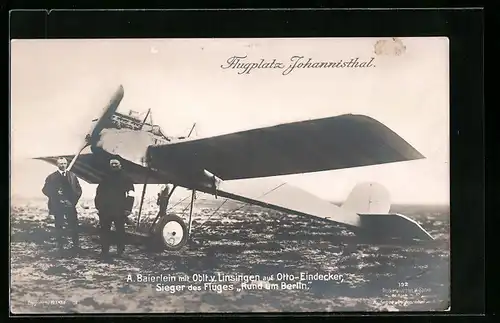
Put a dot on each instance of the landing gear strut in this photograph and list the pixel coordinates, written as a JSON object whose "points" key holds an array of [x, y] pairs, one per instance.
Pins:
{"points": [[171, 230]]}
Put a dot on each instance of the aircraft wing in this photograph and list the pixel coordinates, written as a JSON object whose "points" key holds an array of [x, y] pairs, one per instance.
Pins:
{"points": [[92, 169], [343, 141]]}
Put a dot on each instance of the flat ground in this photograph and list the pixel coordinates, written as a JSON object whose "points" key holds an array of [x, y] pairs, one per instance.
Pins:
{"points": [[249, 241]]}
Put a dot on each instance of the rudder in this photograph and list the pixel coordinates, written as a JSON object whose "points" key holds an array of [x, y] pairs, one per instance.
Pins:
{"points": [[368, 197]]}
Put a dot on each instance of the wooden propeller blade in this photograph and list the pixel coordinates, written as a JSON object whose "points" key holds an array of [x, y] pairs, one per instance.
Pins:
{"points": [[107, 112], [76, 157]]}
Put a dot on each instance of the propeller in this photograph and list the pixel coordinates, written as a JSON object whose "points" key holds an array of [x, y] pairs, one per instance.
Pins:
{"points": [[96, 128]]}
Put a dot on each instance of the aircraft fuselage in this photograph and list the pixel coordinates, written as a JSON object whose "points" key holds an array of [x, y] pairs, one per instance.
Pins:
{"points": [[132, 146]]}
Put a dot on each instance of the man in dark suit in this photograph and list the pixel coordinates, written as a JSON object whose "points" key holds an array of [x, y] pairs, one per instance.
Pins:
{"points": [[64, 191], [114, 201]]}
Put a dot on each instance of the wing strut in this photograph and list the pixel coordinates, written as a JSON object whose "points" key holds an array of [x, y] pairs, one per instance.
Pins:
{"points": [[191, 212], [245, 204], [142, 198], [146, 119], [191, 131]]}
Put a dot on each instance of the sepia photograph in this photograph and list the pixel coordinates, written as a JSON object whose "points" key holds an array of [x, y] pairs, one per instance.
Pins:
{"points": [[229, 175]]}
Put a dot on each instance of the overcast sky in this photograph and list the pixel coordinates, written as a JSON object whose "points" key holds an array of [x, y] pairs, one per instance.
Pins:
{"points": [[58, 86]]}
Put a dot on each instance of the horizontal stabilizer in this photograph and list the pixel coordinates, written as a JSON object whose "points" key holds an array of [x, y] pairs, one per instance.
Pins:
{"points": [[392, 226]]}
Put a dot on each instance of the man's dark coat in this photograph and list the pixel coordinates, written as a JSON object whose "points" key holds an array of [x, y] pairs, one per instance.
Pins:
{"points": [[70, 187]]}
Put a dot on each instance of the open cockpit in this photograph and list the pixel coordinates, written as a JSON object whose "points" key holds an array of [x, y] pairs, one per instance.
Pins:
{"points": [[133, 121]]}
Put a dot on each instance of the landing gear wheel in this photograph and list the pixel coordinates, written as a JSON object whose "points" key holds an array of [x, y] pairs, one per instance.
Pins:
{"points": [[173, 232]]}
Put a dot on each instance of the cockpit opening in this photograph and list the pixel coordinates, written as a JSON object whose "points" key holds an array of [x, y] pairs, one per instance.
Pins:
{"points": [[121, 121]]}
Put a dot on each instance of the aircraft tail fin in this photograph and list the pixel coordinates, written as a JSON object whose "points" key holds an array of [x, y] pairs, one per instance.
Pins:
{"points": [[369, 197]]}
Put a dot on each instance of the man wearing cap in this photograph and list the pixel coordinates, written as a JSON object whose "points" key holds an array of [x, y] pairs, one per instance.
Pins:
{"points": [[114, 201], [64, 191]]}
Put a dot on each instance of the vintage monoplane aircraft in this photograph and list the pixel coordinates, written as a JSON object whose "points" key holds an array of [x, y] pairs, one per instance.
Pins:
{"points": [[211, 165]]}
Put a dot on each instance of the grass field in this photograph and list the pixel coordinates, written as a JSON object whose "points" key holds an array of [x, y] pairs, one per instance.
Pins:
{"points": [[251, 241]]}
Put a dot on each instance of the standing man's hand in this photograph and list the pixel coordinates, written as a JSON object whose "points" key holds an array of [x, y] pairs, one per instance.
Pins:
{"points": [[66, 203]]}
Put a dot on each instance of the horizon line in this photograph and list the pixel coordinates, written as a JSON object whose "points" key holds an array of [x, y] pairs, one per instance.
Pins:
{"points": [[338, 203]]}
